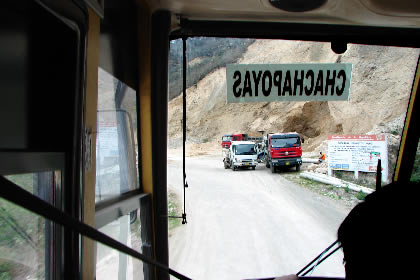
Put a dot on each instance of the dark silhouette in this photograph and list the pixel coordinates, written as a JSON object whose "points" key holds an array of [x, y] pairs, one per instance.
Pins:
{"points": [[380, 236]]}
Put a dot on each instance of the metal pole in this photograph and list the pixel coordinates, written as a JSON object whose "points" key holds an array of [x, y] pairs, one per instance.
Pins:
{"points": [[378, 175], [184, 117]]}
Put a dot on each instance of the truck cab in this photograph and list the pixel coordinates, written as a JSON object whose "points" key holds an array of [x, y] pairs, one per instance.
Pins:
{"points": [[228, 138], [226, 141], [242, 154], [240, 137], [283, 149]]}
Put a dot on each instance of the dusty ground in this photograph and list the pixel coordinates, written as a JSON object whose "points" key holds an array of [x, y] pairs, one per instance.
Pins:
{"points": [[248, 223]]}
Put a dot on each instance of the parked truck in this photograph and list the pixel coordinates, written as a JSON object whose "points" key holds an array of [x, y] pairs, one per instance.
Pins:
{"points": [[226, 141], [241, 154], [228, 138], [283, 149]]}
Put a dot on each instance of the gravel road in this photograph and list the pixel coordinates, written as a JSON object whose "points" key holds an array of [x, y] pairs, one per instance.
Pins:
{"points": [[248, 224]]}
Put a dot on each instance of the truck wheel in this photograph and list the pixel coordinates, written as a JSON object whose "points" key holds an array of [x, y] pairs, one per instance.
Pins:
{"points": [[233, 167], [253, 168], [297, 167], [273, 168]]}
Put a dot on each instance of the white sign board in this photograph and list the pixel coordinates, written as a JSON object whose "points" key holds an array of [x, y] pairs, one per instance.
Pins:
{"points": [[358, 153], [107, 143], [288, 82]]}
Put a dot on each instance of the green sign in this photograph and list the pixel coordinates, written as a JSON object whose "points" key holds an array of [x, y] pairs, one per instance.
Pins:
{"points": [[288, 82]]}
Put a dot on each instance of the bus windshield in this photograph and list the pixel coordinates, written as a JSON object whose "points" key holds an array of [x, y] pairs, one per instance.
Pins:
{"points": [[275, 172]]}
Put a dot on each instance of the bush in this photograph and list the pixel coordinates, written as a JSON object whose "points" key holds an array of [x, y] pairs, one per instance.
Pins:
{"points": [[5, 271], [361, 195]]}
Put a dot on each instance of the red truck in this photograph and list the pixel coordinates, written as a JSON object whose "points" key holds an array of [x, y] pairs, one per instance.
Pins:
{"points": [[228, 138], [283, 149]]}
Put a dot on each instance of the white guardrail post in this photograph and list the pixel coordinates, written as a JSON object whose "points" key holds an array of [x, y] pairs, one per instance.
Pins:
{"points": [[334, 181]]}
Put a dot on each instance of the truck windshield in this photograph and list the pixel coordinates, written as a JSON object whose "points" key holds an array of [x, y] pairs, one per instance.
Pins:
{"points": [[245, 149], [285, 142], [227, 138]]}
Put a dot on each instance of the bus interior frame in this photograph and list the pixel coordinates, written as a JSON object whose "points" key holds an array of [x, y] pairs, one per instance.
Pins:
{"points": [[60, 45]]}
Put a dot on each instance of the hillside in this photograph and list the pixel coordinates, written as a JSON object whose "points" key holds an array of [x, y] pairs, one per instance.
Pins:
{"points": [[381, 81]]}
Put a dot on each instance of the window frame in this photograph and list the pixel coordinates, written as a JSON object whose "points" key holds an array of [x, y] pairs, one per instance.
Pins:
{"points": [[16, 163]]}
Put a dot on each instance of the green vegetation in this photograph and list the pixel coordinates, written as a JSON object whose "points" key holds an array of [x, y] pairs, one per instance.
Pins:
{"points": [[361, 195], [346, 195], [203, 56], [309, 184], [367, 180], [173, 211], [415, 175], [347, 189], [5, 271], [25, 181], [338, 174], [20, 232]]}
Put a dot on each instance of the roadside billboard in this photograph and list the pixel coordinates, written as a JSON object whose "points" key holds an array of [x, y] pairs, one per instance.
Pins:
{"points": [[358, 153]]}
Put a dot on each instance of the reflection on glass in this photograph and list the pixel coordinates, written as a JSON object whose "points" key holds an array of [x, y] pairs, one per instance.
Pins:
{"points": [[285, 142], [245, 149], [22, 243], [415, 174], [116, 143], [111, 264], [115, 155], [25, 238], [22, 234]]}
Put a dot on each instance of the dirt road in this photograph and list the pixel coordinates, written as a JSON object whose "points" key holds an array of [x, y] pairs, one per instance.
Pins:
{"points": [[248, 224]]}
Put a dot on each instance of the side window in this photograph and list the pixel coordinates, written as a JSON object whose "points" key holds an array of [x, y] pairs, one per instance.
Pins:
{"points": [[29, 244], [122, 211], [116, 146]]}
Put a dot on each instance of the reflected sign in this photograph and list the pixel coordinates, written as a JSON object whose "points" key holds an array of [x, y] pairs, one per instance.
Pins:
{"points": [[288, 82]]}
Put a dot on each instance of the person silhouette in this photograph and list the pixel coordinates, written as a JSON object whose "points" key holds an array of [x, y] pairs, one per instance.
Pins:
{"points": [[380, 235]]}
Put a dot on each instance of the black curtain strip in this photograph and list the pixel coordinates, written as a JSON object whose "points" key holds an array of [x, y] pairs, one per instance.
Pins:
{"points": [[372, 35], [24, 199]]}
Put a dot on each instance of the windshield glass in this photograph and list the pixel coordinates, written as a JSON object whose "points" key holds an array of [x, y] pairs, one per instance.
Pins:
{"points": [[227, 138], [285, 142], [245, 149], [284, 195]]}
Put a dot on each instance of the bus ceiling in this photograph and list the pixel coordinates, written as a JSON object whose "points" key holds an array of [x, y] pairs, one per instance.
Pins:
{"points": [[397, 14], [375, 22]]}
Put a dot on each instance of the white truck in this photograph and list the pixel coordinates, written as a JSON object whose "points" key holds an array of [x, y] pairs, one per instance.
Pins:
{"points": [[241, 154]]}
